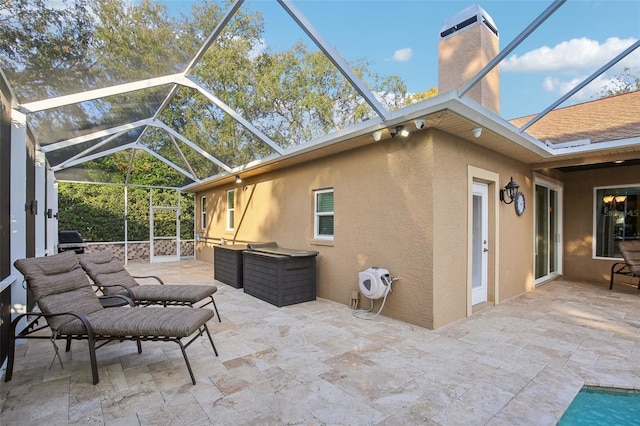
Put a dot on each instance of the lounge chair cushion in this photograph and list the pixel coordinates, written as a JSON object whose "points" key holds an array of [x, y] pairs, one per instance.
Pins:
{"points": [[174, 293], [105, 269], [59, 284], [127, 321], [631, 253]]}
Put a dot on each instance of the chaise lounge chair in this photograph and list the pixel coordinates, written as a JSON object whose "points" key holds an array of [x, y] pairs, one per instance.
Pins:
{"points": [[72, 309], [630, 251], [108, 273]]}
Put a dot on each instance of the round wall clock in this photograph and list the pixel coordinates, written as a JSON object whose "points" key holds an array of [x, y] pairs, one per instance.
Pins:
{"points": [[519, 203]]}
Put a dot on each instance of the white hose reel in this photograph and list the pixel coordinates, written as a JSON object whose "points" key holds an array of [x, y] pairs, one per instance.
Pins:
{"points": [[375, 283]]}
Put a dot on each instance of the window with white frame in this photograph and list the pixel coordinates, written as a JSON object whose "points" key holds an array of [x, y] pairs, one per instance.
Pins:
{"points": [[616, 218], [203, 212], [231, 207], [323, 226]]}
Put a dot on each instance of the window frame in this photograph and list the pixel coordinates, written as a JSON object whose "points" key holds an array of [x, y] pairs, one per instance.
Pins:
{"points": [[317, 215], [596, 210], [230, 225], [203, 212]]}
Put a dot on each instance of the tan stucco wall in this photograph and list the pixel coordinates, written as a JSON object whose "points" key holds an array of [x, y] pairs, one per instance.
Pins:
{"points": [[401, 205], [578, 219], [382, 218], [514, 246]]}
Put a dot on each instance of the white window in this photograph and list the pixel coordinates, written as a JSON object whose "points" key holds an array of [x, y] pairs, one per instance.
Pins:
{"points": [[203, 212], [323, 226], [616, 218], [231, 207]]}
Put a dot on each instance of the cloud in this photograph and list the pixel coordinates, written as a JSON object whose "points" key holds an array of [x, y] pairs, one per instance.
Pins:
{"points": [[571, 56], [402, 55]]}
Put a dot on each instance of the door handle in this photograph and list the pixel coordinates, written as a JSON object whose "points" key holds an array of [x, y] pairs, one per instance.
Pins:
{"points": [[485, 250]]}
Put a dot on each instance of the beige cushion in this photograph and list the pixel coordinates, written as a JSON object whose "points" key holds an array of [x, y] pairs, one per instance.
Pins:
{"points": [[105, 269], [631, 253], [138, 321], [59, 285]]}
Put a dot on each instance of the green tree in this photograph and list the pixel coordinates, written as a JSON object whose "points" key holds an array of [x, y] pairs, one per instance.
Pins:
{"points": [[625, 82], [56, 48]]}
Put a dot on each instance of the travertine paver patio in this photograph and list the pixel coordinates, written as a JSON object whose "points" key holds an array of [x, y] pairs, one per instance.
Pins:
{"points": [[314, 363]]}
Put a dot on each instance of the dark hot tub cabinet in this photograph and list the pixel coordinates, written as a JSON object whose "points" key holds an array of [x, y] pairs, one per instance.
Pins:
{"points": [[278, 275], [227, 264]]}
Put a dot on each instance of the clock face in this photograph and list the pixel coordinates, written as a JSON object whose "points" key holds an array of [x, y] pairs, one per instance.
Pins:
{"points": [[519, 203]]}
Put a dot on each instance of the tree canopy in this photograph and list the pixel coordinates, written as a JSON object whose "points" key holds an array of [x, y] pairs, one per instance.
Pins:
{"points": [[625, 82], [51, 49]]}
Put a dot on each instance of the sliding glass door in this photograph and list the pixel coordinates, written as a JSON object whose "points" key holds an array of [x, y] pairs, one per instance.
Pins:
{"points": [[548, 230]]}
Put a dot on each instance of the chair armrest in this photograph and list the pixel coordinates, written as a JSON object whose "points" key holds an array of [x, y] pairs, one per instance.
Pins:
{"points": [[126, 288], [115, 300], [82, 318], [150, 276]]}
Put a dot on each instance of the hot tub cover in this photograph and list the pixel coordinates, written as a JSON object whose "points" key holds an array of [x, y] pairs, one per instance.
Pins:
{"points": [[273, 248]]}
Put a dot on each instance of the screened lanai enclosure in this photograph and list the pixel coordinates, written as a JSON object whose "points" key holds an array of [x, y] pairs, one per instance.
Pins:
{"points": [[114, 111]]}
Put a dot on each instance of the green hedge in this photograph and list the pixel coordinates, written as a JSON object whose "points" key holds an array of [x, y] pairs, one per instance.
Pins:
{"points": [[97, 212]]}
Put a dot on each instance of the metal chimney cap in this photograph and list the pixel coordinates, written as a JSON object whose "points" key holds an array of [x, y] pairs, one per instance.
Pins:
{"points": [[471, 15]]}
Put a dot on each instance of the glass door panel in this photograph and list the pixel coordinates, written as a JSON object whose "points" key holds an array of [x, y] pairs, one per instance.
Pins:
{"points": [[548, 231], [542, 231]]}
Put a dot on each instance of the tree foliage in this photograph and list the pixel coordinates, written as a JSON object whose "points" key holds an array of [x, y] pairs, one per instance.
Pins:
{"points": [[625, 82], [50, 49]]}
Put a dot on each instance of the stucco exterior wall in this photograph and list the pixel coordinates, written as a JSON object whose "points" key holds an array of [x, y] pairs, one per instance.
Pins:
{"points": [[512, 234], [400, 204], [578, 219], [382, 218]]}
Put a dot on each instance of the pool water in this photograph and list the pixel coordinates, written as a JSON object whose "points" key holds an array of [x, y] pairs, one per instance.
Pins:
{"points": [[603, 406]]}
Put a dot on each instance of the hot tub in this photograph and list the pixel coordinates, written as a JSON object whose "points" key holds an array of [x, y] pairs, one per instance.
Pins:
{"points": [[279, 275]]}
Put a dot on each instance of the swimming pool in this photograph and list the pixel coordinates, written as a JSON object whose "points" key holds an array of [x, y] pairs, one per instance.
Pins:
{"points": [[603, 406]]}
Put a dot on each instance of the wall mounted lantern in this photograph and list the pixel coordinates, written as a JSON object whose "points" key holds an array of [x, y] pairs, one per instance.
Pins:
{"points": [[510, 190], [238, 179]]}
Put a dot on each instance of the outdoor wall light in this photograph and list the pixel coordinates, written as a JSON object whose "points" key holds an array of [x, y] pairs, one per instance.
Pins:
{"points": [[238, 179], [400, 130], [477, 132], [609, 199], [510, 190], [377, 135], [419, 123]]}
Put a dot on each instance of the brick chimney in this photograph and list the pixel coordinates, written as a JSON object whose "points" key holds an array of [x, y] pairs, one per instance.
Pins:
{"points": [[468, 41]]}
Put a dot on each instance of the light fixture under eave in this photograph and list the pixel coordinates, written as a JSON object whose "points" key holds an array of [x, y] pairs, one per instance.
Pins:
{"points": [[400, 130], [477, 132], [377, 135], [238, 179], [510, 190]]}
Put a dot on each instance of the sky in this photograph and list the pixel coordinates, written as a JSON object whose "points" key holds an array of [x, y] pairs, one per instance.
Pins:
{"points": [[398, 37]]}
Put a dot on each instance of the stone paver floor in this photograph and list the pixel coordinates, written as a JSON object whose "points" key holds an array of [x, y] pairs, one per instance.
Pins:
{"points": [[518, 363]]}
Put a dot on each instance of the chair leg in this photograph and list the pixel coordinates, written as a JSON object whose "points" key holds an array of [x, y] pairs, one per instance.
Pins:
{"points": [[210, 339], [12, 350], [186, 360], [92, 358], [612, 274], [216, 309]]}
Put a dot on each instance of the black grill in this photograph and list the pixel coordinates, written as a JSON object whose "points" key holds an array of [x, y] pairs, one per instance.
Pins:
{"points": [[71, 240]]}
